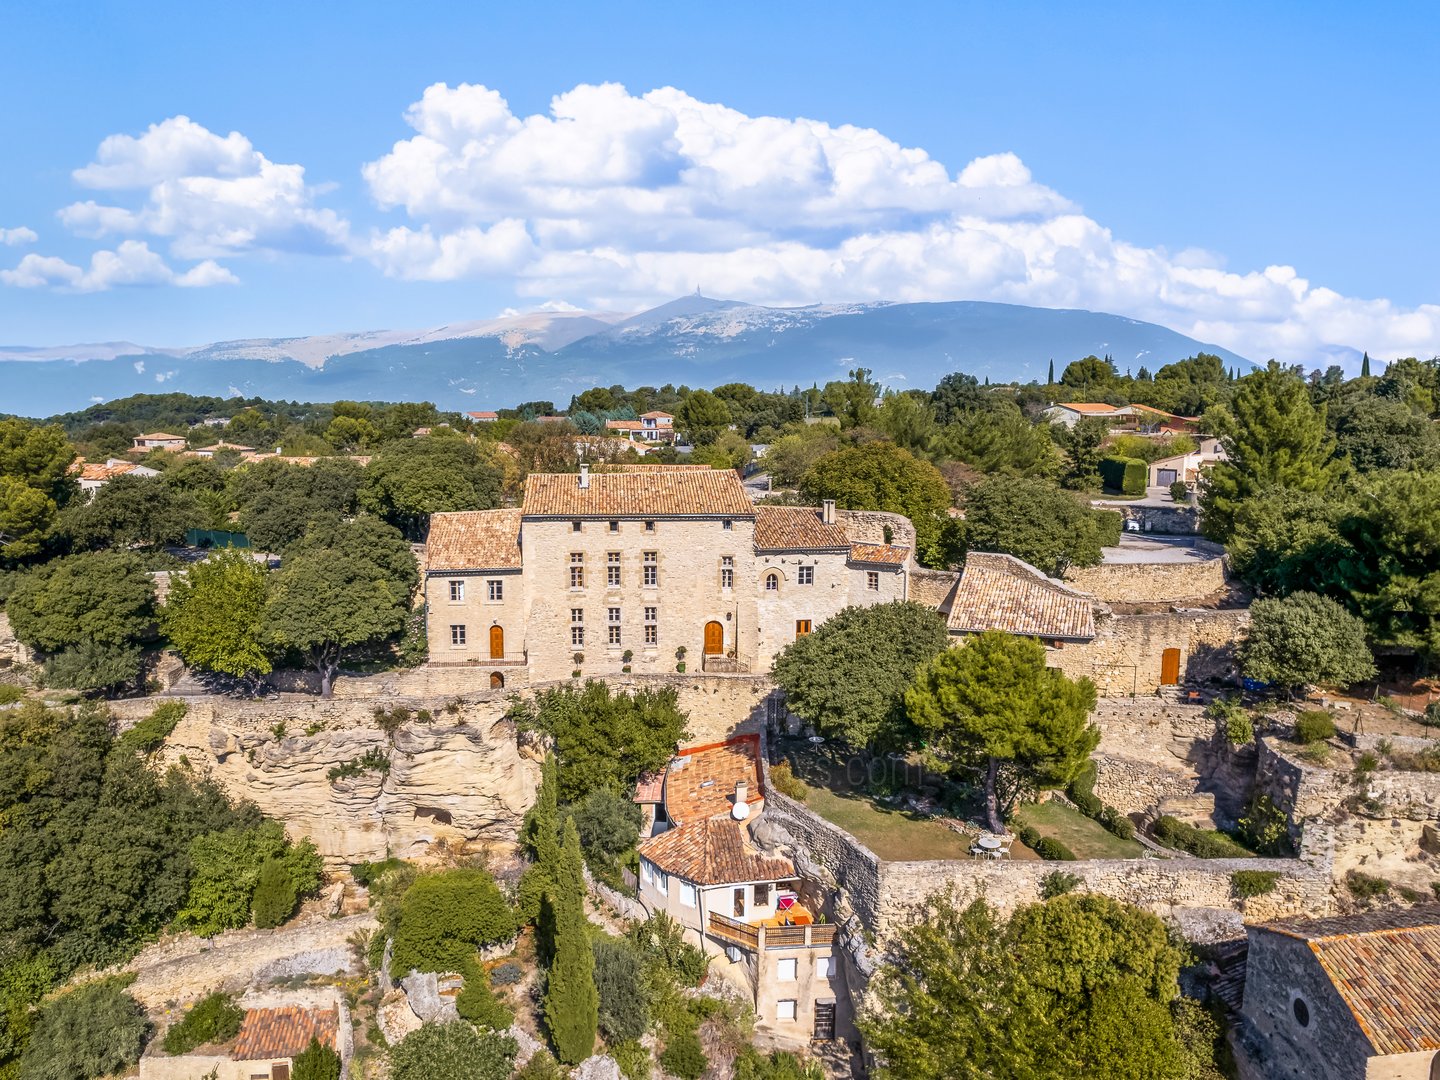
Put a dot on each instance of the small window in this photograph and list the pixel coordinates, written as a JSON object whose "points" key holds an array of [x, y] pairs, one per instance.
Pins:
{"points": [[727, 524], [802, 627], [806, 576], [787, 970], [785, 1010], [727, 578], [577, 615], [772, 582], [612, 569], [652, 634], [457, 634], [824, 967], [1301, 1011], [872, 580], [687, 894], [614, 634], [652, 614], [662, 882], [457, 592], [762, 895], [614, 526], [649, 526], [574, 526], [612, 615], [577, 569], [497, 590], [651, 562], [577, 636]]}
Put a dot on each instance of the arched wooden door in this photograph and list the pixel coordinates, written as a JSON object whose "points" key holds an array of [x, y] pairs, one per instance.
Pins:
{"points": [[497, 681], [497, 643], [714, 639]]}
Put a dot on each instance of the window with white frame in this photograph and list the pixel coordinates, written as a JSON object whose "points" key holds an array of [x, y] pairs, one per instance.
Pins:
{"points": [[872, 580], [806, 576], [772, 582], [785, 1010], [612, 569], [457, 634], [577, 626], [662, 882], [787, 970], [496, 590], [651, 561], [652, 626], [457, 592], [612, 618], [727, 571], [687, 894], [824, 967], [577, 569]]}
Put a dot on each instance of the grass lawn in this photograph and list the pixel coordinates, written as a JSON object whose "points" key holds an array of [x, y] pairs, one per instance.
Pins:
{"points": [[1087, 839]]}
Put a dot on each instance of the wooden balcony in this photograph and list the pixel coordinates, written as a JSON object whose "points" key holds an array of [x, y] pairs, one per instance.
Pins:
{"points": [[766, 936]]}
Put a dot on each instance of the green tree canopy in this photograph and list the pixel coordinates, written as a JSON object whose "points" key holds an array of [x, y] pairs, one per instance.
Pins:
{"points": [[445, 917], [882, 476], [1377, 433], [34, 485], [344, 584], [279, 501], [454, 1050], [571, 1001], [94, 1030], [1091, 375], [1081, 444], [1074, 986], [1033, 520], [849, 677], [316, 1062], [410, 479], [132, 511], [995, 708], [1002, 440], [1273, 438], [1305, 638], [227, 869], [702, 416], [214, 615]]}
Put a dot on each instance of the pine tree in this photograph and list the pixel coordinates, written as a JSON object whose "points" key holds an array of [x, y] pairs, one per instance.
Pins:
{"points": [[1365, 366], [275, 895], [1273, 437], [572, 1004]]}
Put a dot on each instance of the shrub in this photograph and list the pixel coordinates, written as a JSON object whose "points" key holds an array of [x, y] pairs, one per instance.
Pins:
{"points": [[1117, 823], [1128, 476], [1366, 886], [1029, 836], [1058, 883], [1366, 763], [684, 1057], [454, 1050], [445, 917], [275, 895], [1179, 492], [1247, 883], [367, 874], [506, 974], [608, 825], [95, 1030], [777, 1065], [316, 1062], [661, 941], [784, 780], [541, 1066], [373, 760], [1202, 843], [624, 1004], [478, 1003], [1314, 725], [633, 1059], [148, 734], [1109, 524], [1233, 720], [1431, 716], [1053, 850], [1264, 828], [214, 1019], [10, 693]]}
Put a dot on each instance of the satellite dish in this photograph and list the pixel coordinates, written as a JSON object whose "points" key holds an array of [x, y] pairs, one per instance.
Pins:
{"points": [[740, 811]]}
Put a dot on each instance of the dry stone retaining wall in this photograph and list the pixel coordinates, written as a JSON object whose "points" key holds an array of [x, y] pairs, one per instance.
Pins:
{"points": [[1156, 583], [1127, 653]]}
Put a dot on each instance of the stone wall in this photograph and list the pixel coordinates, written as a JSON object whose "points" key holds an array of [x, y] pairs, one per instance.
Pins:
{"points": [[932, 587], [11, 651], [868, 527], [1126, 655], [462, 778], [1155, 583], [1166, 520]]}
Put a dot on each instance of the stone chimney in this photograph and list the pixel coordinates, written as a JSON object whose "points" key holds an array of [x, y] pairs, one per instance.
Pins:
{"points": [[742, 792], [827, 511], [584, 475]]}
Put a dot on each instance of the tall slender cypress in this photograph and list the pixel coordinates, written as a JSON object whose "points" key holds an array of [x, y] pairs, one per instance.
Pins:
{"points": [[572, 1004], [1365, 366], [1050, 378]]}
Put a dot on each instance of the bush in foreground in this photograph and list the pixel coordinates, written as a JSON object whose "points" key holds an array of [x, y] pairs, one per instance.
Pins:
{"points": [[455, 1051], [95, 1030], [214, 1019]]}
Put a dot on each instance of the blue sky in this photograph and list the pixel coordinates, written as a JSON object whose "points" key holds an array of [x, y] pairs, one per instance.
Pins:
{"points": [[1259, 178]]}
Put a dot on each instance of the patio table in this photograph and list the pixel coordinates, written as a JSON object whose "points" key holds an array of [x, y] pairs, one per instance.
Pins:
{"points": [[990, 843]]}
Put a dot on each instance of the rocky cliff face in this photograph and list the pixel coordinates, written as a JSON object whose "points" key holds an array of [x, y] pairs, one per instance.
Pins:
{"points": [[461, 778]]}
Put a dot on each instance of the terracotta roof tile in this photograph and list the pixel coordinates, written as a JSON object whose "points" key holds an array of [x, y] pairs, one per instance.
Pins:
{"points": [[1000, 592], [269, 1034], [796, 528], [713, 852], [1385, 966], [474, 540], [1096, 408], [161, 435], [700, 782], [650, 788], [881, 554], [658, 493], [104, 470]]}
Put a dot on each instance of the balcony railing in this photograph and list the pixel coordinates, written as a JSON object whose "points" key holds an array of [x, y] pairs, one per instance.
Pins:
{"points": [[756, 937], [714, 664]]}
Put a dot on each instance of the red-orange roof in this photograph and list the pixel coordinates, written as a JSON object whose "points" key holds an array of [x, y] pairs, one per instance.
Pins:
{"points": [[1090, 407], [662, 493], [879, 554], [700, 782], [268, 1034], [1001, 592], [796, 528], [713, 852], [474, 540]]}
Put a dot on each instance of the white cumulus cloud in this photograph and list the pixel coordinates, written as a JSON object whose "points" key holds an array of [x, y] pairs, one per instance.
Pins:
{"points": [[130, 263], [614, 200], [20, 235]]}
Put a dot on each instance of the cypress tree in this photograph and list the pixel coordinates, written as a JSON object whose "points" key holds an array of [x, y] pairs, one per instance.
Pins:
{"points": [[572, 1004], [275, 897], [540, 834], [1365, 366], [1050, 378]]}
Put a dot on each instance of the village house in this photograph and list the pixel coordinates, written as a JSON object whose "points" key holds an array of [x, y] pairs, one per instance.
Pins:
{"points": [[92, 476], [218, 448], [159, 440], [483, 416], [1143, 419], [1352, 997], [1186, 467], [652, 568], [651, 427], [703, 870], [271, 1036]]}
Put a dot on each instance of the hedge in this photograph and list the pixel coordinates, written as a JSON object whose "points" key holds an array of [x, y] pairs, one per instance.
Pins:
{"points": [[1247, 883], [1110, 523], [1129, 476], [1202, 843]]}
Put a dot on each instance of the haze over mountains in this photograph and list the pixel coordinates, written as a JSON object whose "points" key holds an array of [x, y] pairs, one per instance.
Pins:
{"points": [[693, 340]]}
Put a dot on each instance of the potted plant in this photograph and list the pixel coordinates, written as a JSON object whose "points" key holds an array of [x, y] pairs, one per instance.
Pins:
{"points": [[680, 659], [579, 659], [629, 655]]}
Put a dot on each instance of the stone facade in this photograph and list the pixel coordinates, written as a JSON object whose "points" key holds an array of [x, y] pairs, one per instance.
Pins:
{"points": [[1127, 655], [1173, 520], [1151, 583]]}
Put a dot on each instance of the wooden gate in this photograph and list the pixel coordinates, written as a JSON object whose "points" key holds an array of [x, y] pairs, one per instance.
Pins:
{"points": [[497, 643], [714, 639], [1170, 667]]}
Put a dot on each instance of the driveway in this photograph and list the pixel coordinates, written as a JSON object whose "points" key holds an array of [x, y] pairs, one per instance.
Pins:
{"points": [[1137, 548]]}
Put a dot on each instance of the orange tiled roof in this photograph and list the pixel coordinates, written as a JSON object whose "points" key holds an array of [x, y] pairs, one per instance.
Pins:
{"points": [[474, 540], [1098, 408], [483, 415], [700, 782], [270, 1034], [796, 528], [1000, 592], [656, 414], [154, 435], [650, 788], [1385, 967], [713, 852], [661, 493], [881, 554], [104, 470]]}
